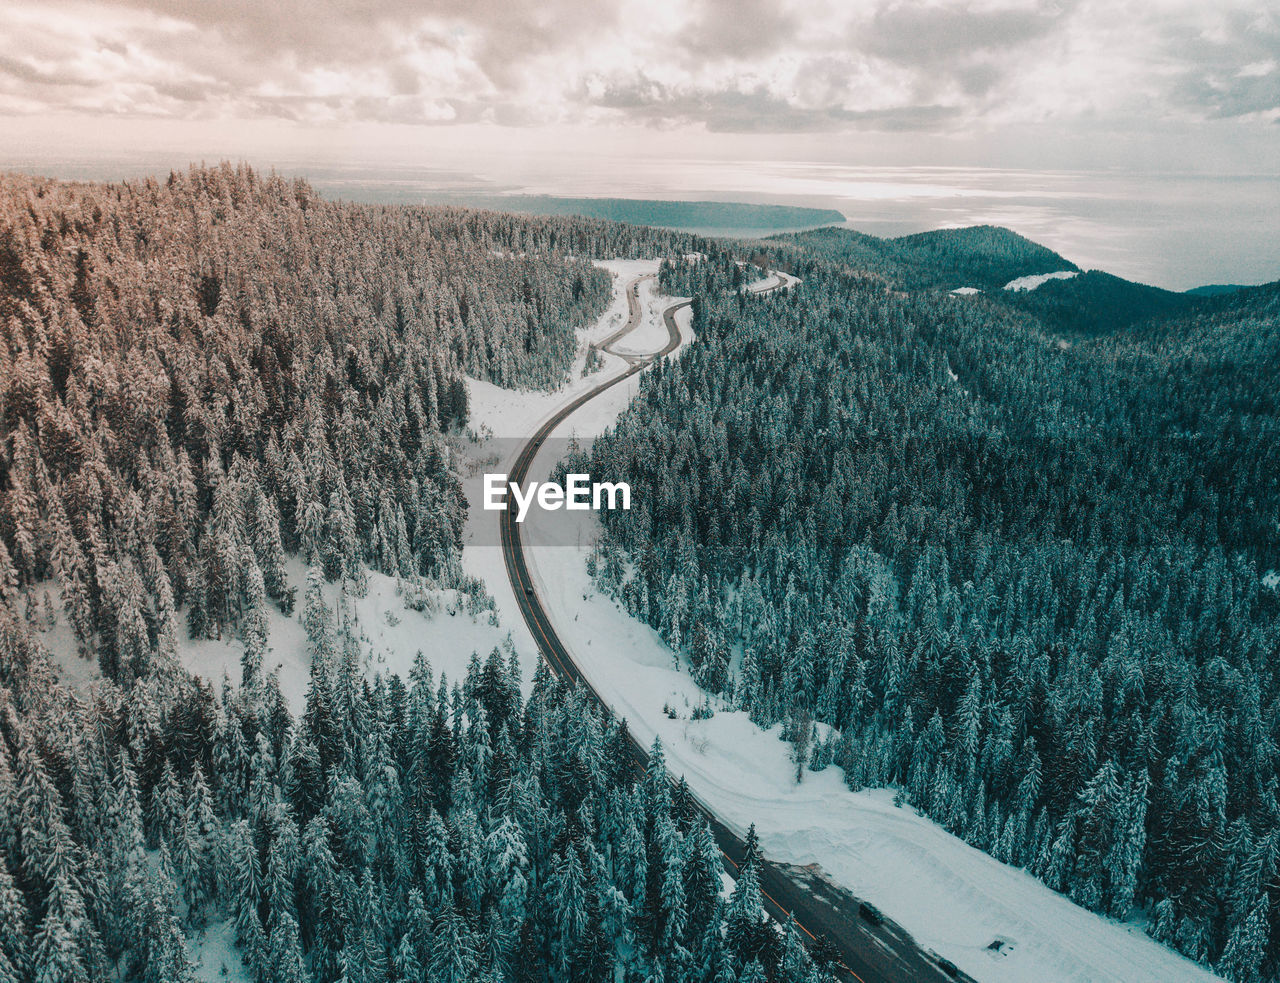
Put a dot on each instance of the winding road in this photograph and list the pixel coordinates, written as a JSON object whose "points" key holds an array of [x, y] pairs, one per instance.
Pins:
{"points": [[870, 951]]}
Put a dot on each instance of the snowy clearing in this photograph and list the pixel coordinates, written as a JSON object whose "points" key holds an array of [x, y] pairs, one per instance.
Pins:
{"points": [[390, 633], [1031, 282], [215, 956], [966, 291]]}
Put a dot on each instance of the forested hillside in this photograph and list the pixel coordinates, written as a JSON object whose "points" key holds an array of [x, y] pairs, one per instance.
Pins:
{"points": [[1021, 581], [1084, 306], [1097, 303], [398, 831], [200, 377]]}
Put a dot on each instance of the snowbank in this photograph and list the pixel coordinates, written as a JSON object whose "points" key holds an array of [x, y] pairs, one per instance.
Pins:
{"points": [[1031, 282]]}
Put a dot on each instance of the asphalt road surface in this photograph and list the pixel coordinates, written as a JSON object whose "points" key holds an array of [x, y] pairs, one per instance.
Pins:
{"points": [[869, 953]]}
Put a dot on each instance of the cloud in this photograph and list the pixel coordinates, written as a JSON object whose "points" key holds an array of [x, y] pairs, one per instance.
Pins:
{"points": [[745, 66], [752, 110], [917, 34], [1230, 67], [737, 29]]}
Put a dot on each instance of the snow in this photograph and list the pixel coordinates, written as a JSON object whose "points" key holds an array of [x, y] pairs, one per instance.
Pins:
{"points": [[1271, 579], [966, 291], [775, 279], [215, 956], [508, 414], [1031, 282], [390, 634], [952, 898], [651, 333], [74, 670]]}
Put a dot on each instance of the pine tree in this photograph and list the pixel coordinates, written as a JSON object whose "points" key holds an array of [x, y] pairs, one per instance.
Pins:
{"points": [[593, 961], [567, 890], [702, 882], [795, 964], [287, 964], [452, 954], [744, 917], [1247, 945], [166, 806], [253, 628], [304, 788], [15, 953], [163, 941], [61, 944]]}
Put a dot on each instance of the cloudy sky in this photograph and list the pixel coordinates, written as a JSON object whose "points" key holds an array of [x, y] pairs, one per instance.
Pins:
{"points": [[717, 66], [545, 94]]}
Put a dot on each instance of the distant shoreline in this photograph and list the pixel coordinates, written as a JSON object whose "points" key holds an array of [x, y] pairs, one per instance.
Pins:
{"points": [[700, 217]]}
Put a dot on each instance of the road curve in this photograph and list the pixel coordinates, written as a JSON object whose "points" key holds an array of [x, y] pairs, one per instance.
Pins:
{"points": [[869, 953]]}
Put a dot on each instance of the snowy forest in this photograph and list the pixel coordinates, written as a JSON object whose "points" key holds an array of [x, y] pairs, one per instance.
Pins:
{"points": [[206, 374], [1003, 554], [1018, 572], [201, 377]]}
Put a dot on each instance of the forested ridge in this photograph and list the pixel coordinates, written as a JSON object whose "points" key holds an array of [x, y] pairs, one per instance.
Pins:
{"points": [[1096, 303], [982, 256], [201, 377], [1020, 579]]}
